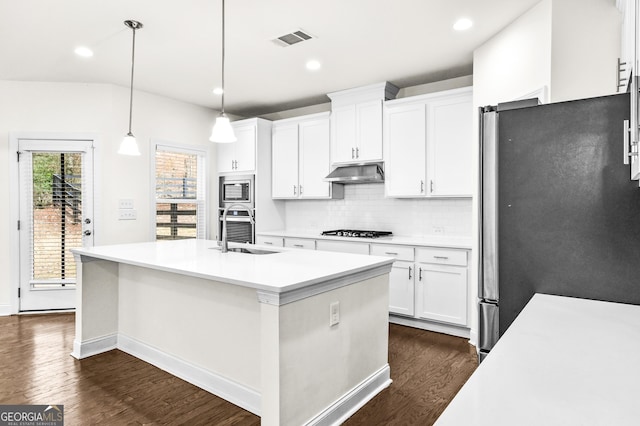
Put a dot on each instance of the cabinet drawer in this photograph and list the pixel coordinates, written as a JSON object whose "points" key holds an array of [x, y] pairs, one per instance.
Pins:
{"points": [[300, 243], [270, 241], [397, 252], [442, 256], [343, 247]]}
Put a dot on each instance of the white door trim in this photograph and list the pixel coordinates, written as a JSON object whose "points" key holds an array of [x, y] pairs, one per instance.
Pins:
{"points": [[14, 199]]}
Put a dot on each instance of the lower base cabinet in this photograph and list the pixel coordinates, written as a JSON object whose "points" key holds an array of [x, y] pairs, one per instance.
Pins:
{"points": [[401, 288], [441, 293]]}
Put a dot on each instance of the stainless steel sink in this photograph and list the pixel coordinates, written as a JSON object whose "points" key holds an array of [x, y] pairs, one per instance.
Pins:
{"points": [[247, 250]]}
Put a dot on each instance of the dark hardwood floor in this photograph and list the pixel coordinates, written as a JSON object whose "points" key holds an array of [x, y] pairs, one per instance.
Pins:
{"points": [[115, 388]]}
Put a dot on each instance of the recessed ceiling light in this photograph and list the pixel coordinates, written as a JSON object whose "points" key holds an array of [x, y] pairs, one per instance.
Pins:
{"points": [[83, 51], [313, 65], [462, 24], [218, 91]]}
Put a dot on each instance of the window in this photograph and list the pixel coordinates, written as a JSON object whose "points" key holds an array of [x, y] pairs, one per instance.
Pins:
{"points": [[180, 193]]}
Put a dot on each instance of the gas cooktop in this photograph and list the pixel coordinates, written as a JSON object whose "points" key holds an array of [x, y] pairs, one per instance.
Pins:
{"points": [[357, 233]]}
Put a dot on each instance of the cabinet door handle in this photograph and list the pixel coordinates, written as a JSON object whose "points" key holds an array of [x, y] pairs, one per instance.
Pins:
{"points": [[269, 243], [300, 189], [232, 164], [294, 190], [441, 257], [409, 272], [357, 152], [419, 274], [421, 186], [298, 245], [391, 253], [353, 153], [431, 186]]}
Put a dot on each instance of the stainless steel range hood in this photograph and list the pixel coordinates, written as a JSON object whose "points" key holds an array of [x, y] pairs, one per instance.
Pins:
{"points": [[357, 173]]}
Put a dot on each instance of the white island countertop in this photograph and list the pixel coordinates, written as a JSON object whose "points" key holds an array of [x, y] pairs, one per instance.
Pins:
{"points": [[564, 361], [284, 271]]}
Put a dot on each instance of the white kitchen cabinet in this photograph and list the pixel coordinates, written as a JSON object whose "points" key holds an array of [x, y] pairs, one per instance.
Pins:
{"points": [[284, 160], [357, 123], [239, 156], [427, 145], [402, 288], [441, 293], [343, 246], [449, 146], [405, 154], [301, 243], [301, 158], [268, 240], [442, 285]]}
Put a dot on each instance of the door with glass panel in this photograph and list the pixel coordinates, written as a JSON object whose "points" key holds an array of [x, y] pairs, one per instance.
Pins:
{"points": [[56, 215]]}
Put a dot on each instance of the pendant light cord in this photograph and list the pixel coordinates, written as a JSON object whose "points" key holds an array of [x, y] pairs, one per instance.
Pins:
{"points": [[223, 89], [133, 59]]}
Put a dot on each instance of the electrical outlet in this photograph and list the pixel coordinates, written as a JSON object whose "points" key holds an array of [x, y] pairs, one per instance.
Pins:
{"points": [[127, 214], [334, 313], [125, 203]]}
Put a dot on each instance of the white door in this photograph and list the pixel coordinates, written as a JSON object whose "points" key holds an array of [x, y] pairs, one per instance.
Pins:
{"points": [[401, 288], [369, 131], [56, 215], [442, 293], [315, 158], [245, 148], [343, 134], [284, 161], [405, 151], [450, 145]]}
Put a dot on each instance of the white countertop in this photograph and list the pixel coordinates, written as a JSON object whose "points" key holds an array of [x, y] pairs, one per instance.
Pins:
{"points": [[285, 271], [564, 361], [425, 241]]}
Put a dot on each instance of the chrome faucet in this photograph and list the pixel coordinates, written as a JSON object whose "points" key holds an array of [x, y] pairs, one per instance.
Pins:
{"points": [[224, 247]]}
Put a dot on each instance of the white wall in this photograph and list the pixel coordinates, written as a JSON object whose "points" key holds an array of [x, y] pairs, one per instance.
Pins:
{"points": [[585, 48], [103, 110], [516, 61]]}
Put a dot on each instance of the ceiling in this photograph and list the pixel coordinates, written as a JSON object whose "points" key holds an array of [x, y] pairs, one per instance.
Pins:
{"points": [[358, 42]]}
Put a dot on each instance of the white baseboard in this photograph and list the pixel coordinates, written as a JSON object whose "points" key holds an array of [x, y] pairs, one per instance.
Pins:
{"points": [[234, 392], [6, 310], [338, 412], [431, 326], [94, 346], [473, 338]]}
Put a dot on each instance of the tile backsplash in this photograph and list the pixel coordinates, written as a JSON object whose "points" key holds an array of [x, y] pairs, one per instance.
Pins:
{"points": [[365, 207]]}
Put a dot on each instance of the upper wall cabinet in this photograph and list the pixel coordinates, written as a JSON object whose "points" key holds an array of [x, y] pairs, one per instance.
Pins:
{"points": [[301, 158], [357, 123], [240, 156], [428, 144]]}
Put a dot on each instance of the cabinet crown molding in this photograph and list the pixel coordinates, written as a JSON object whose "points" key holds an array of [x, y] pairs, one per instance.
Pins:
{"points": [[381, 91]]}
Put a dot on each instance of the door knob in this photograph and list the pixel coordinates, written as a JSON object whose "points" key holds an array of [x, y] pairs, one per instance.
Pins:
{"points": [[87, 232]]}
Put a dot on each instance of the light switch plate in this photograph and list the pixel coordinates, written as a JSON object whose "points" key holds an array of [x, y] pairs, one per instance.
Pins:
{"points": [[127, 214], [125, 203], [334, 313]]}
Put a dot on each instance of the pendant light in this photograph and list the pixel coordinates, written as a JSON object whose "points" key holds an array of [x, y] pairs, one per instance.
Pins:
{"points": [[129, 146], [222, 130]]}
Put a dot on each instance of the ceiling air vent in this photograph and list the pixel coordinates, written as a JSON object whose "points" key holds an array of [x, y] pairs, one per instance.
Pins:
{"points": [[292, 38]]}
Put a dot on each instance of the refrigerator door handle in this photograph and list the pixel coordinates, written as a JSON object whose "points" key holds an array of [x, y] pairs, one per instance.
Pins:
{"points": [[488, 270]]}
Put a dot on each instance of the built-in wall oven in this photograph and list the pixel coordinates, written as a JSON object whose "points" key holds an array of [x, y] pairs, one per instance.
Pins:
{"points": [[237, 190]]}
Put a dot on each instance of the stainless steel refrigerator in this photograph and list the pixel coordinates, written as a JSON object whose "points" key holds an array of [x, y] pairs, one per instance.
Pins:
{"points": [[559, 213]]}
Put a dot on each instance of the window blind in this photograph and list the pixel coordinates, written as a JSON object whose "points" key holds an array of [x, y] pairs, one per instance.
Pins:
{"points": [[180, 193]]}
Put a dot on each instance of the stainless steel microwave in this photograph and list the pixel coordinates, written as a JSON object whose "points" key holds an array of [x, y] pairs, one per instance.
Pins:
{"points": [[236, 189]]}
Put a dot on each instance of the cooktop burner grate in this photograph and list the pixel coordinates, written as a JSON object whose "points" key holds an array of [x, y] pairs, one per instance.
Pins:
{"points": [[357, 233]]}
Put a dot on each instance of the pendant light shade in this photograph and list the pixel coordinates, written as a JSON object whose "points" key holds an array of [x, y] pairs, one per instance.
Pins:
{"points": [[222, 130], [129, 145]]}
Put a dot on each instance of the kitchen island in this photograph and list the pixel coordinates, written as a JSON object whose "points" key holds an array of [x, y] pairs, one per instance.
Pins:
{"points": [[563, 361], [255, 329]]}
